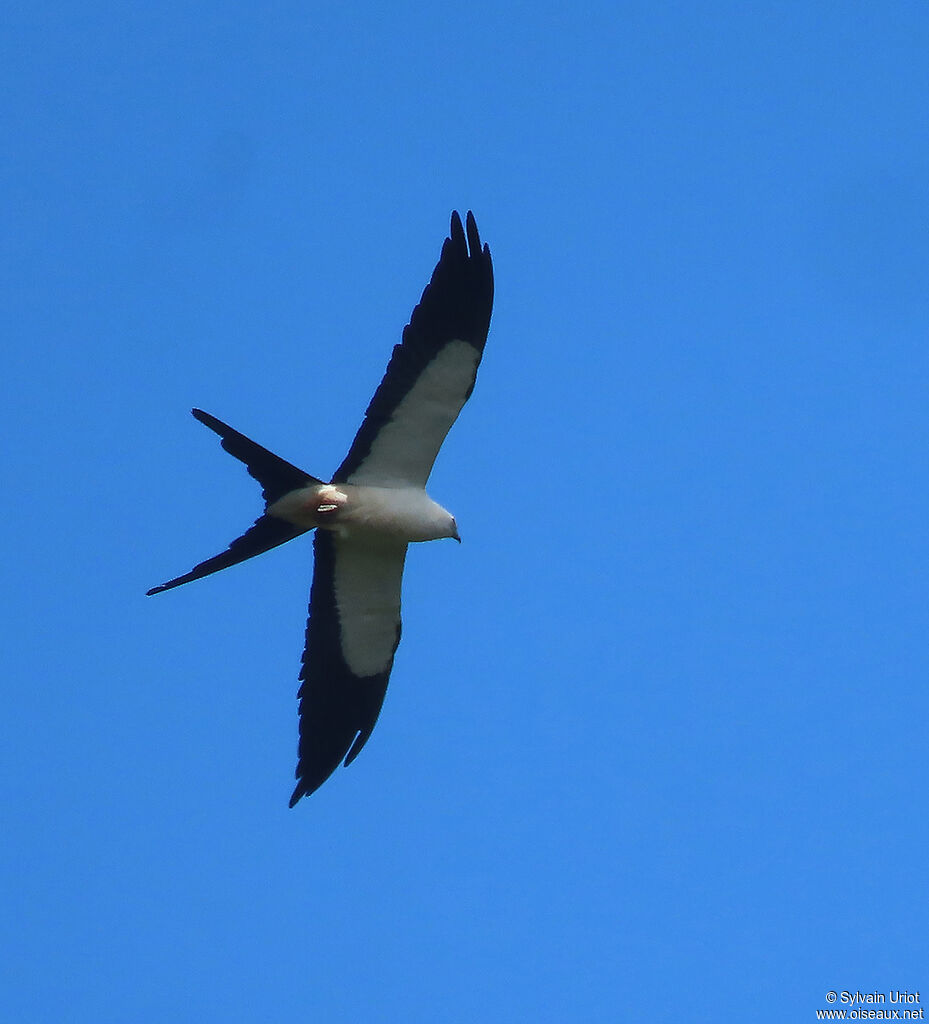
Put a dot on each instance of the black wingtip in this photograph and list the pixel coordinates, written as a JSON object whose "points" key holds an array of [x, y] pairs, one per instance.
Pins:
{"points": [[474, 239], [456, 236], [471, 248]]}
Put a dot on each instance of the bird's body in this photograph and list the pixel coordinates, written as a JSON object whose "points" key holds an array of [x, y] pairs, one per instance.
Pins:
{"points": [[375, 505], [404, 514]]}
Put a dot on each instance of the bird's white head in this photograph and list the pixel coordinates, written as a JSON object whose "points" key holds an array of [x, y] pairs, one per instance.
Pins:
{"points": [[441, 522]]}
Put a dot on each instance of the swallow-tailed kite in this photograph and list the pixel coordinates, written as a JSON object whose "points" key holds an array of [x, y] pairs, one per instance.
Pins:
{"points": [[373, 507]]}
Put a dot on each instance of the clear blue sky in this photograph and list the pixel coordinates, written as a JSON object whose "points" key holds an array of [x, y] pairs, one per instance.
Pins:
{"points": [[655, 742]]}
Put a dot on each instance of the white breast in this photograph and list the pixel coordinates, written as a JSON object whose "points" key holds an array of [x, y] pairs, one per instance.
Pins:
{"points": [[397, 513]]}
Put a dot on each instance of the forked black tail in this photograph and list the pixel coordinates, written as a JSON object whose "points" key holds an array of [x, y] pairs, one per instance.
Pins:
{"points": [[277, 478]]}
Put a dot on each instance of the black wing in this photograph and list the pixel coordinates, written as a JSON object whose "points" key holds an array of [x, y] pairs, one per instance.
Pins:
{"points": [[351, 637], [431, 372]]}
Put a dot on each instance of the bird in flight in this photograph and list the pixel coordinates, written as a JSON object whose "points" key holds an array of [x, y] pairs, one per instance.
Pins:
{"points": [[372, 509]]}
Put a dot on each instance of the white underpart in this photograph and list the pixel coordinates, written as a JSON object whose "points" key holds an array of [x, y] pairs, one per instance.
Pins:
{"points": [[397, 514], [391, 513], [367, 593], [405, 448]]}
